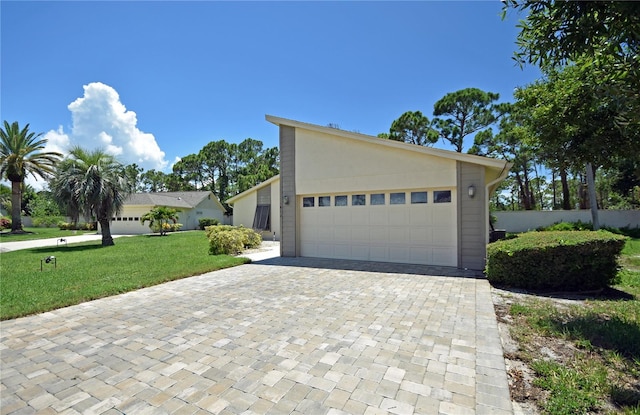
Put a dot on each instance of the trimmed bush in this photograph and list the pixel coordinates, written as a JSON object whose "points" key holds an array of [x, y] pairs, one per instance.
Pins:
{"points": [[67, 226], [231, 240], [166, 227], [46, 221], [204, 222], [556, 261], [587, 226]]}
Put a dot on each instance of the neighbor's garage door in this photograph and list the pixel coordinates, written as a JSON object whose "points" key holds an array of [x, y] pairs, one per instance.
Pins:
{"points": [[388, 227]]}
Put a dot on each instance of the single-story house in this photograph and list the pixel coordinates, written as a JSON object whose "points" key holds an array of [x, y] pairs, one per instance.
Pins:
{"points": [[346, 195], [193, 206]]}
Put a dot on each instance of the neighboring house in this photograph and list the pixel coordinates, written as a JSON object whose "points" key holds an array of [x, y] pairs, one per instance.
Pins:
{"points": [[347, 195], [192, 205]]}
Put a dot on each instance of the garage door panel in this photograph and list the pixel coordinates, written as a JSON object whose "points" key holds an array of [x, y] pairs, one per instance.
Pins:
{"points": [[341, 216], [419, 235], [398, 235], [378, 216], [359, 215], [341, 234], [360, 252], [398, 217], [444, 256], [398, 254], [443, 236], [325, 250], [420, 255], [379, 253], [420, 216], [361, 234], [408, 233], [379, 233]]}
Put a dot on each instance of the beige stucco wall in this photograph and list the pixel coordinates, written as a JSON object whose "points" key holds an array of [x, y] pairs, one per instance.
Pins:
{"points": [[351, 165], [208, 208], [244, 210]]}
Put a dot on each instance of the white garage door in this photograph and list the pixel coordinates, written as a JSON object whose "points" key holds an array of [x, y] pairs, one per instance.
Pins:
{"points": [[387, 227]]}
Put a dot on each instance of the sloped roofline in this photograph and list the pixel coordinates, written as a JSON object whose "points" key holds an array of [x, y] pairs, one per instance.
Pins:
{"points": [[168, 199], [253, 189], [448, 154]]}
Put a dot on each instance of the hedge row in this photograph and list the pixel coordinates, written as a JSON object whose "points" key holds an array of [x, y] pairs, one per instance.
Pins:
{"points": [[68, 226], [556, 261], [231, 240], [204, 222]]}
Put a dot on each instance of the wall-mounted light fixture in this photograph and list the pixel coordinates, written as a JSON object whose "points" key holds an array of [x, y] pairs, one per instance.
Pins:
{"points": [[472, 191], [286, 200]]}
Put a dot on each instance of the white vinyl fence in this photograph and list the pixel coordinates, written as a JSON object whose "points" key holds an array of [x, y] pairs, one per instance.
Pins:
{"points": [[525, 220]]}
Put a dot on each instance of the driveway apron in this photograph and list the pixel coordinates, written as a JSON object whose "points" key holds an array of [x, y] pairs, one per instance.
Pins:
{"points": [[279, 336]]}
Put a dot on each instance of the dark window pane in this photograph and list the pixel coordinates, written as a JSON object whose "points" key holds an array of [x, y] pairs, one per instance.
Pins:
{"points": [[261, 220], [324, 201], [377, 199], [341, 200], [358, 200], [418, 197], [442, 196], [308, 202], [397, 198]]}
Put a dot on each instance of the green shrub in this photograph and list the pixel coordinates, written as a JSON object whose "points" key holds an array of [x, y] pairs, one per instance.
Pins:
{"points": [[231, 240], [567, 226], [46, 221], [68, 226], [556, 261], [587, 226], [204, 222], [166, 227]]}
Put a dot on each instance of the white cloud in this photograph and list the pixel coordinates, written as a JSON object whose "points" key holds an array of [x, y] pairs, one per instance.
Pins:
{"points": [[100, 120], [57, 140]]}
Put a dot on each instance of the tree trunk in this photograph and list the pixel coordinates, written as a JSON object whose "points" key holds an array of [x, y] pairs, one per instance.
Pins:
{"points": [[566, 193], [105, 227], [16, 207], [553, 183], [592, 197]]}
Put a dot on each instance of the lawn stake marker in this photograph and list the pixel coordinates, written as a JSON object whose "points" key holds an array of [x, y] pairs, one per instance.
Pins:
{"points": [[49, 260]]}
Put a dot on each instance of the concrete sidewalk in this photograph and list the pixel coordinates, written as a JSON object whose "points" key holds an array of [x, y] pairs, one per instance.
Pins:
{"points": [[37, 243], [279, 336]]}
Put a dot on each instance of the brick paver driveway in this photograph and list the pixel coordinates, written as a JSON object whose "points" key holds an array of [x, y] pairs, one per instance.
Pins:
{"points": [[284, 336]]}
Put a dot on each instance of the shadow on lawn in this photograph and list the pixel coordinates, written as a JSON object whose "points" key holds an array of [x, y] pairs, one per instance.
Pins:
{"points": [[607, 332], [55, 250]]}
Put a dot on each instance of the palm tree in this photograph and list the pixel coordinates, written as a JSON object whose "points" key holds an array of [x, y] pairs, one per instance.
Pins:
{"points": [[21, 154], [160, 215], [92, 183]]}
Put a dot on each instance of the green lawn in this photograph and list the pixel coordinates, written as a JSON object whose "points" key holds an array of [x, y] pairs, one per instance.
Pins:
{"points": [[86, 271], [602, 338], [39, 233]]}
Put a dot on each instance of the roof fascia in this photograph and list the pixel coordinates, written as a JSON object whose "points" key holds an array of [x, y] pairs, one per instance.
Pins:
{"points": [[253, 189]]}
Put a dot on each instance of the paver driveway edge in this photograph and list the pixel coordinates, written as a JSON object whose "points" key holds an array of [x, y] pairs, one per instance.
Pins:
{"points": [[281, 336]]}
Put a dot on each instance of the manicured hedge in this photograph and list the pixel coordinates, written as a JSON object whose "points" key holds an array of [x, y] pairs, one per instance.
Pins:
{"points": [[204, 222], [556, 261], [231, 240]]}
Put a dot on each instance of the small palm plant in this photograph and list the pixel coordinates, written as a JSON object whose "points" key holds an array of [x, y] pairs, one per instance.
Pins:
{"points": [[159, 217]]}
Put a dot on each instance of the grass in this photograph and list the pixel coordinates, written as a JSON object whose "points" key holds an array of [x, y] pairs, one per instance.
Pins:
{"points": [[600, 370], [87, 271], [39, 233]]}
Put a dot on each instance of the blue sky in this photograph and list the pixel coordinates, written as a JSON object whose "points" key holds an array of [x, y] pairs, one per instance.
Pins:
{"points": [[153, 81]]}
